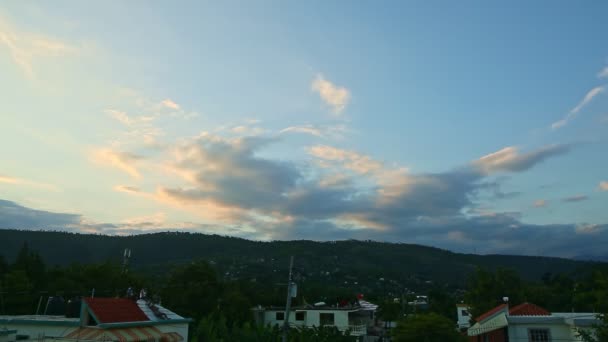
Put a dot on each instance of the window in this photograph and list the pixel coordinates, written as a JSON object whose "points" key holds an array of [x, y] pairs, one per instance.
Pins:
{"points": [[465, 313], [300, 315], [326, 319], [279, 316], [539, 335]]}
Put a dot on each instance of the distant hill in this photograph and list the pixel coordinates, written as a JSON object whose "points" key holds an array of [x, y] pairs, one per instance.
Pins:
{"points": [[350, 263]]}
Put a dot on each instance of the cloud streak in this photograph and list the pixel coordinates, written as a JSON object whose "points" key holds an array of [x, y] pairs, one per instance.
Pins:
{"points": [[124, 161], [27, 48], [575, 198], [509, 159], [25, 182], [574, 111]]}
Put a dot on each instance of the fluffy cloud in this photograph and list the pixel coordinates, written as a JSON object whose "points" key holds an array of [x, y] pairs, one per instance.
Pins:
{"points": [[13, 215], [574, 111], [168, 103], [335, 96], [603, 186]]}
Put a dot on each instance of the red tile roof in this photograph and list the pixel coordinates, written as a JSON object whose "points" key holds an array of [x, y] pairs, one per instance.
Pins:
{"points": [[524, 309], [491, 312], [528, 309], [115, 310]]}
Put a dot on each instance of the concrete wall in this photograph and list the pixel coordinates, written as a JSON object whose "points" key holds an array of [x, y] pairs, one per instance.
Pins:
{"points": [[7, 336], [180, 328], [559, 332], [311, 318], [38, 331]]}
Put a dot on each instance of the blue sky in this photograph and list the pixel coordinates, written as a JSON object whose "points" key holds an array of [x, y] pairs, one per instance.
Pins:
{"points": [[472, 126]]}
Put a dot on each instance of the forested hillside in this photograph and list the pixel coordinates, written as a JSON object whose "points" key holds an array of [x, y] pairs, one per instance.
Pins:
{"points": [[356, 264]]}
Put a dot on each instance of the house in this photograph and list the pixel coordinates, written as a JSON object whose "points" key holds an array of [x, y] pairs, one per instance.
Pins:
{"points": [[464, 318], [528, 322], [102, 319], [355, 318]]}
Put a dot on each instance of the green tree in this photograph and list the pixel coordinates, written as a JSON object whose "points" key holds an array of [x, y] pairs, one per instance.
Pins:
{"points": [[192, 290], [486, 289], [598, 332], [429, 327]]}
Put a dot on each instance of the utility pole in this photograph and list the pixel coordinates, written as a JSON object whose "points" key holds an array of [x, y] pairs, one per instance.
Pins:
{"points": [[288, 302], [125, 261]]}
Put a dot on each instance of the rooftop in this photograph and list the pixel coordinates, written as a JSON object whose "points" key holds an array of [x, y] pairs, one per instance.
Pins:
{"points": [[115, 310]]}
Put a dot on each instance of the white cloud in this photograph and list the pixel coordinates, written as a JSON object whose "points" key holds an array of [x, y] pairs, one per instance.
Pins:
{"points": [[603, 185], [574, 111], [168, 103], [335, 96], [26, 47], [603, 73]]}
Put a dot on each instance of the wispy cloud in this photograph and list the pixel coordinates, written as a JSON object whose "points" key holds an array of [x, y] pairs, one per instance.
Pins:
{"points": [[26, 47], [335, 96], [509, 159], [26, 182], [125, 161], [351, 160], [576, 198], [574, 111], [603, 73], [603, 186], [540, 203], [321, 131]]}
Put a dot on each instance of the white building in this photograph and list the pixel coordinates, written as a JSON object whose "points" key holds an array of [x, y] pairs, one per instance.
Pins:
{"points": [[353, 318], [529, 322], [464, 318], [100, 319]]}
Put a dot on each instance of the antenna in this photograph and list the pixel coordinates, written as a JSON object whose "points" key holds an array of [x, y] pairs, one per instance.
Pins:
{"points": [[125, 262], [290, 293]]}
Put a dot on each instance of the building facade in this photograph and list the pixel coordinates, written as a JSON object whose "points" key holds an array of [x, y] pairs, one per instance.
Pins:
{"points": [[529, 323], [100, 319]]}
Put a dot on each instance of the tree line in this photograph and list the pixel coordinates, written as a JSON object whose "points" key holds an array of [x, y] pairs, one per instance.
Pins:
{"points": [[220, 307]]}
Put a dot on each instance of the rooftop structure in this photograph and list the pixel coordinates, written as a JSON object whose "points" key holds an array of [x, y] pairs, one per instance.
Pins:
{"points": [[102, 319], [529, 322]]}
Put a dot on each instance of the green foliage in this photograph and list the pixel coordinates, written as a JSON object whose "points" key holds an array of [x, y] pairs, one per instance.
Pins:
{"points": [[214, 328], [390, 311], [598, 333], [486, 289], [193, 290], [326, 266], [429, 327]]}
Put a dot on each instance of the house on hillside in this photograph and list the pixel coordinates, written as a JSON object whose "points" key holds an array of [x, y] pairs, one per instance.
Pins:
{"points": [[528, 322], [355, 318], [101, 319], [464, 318]]}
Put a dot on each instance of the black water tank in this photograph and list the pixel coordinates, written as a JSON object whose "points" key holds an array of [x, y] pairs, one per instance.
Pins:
{"points": [[73, 308], [55, 306]]}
